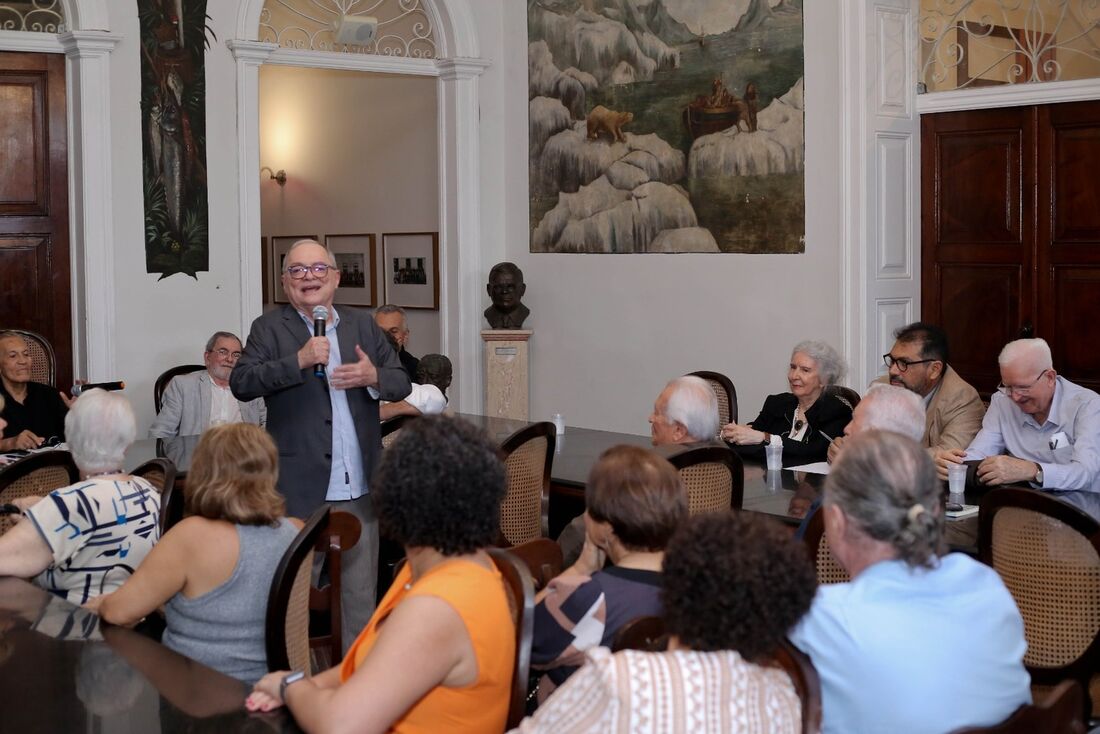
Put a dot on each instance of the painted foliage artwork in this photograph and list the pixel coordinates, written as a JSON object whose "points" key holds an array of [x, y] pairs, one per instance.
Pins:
{"points": [[174, 38], [666, 126]]}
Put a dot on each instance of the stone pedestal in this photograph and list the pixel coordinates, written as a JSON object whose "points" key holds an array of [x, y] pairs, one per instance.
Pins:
{"points": [[506, 372]]}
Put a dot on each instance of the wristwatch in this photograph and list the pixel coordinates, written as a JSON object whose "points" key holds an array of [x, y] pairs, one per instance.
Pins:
{"points": [[292, 677], [1038, 475]]}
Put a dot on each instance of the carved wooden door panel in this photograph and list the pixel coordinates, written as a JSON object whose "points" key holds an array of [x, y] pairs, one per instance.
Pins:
{"points": [[34, 216]]}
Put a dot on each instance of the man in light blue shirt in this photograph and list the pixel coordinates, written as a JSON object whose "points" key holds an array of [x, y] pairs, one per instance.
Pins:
{"points": [[1040, 428]]}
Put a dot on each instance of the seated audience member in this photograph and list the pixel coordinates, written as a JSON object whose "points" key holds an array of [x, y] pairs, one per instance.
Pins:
{"points": [[393, 320], [88, 538], [197, 400], [636, 501], [1040, 428], [439, 651], [685, 414], [212, 571], [429, 391], [806, 419], [34, 412], [734, 584], [915, 642]]}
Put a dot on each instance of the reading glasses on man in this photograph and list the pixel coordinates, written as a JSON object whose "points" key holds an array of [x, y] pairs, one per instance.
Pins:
{"points": [[903, 364], [1020, 389], [223, 353], [298, 272]]}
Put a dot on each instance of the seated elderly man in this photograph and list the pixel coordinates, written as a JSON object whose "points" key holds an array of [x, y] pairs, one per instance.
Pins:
{"points": [[34, 412], [394, 321], [196, 401], [1040, 428], [429, 392], [685, 414], [88, 538]]}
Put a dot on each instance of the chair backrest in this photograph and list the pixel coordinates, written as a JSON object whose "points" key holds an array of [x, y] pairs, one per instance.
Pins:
{"points": [[286, 627], [641, 633], [521, 599], [1060, 711], [161, 473], [847, 395], [543, 559], [714, 477], [389, 428], [1047, 552], [829, 571], [337, 536], [725, 392], [35, 475], [528, 455], [44, 362], [165, 377], [806, 683]]}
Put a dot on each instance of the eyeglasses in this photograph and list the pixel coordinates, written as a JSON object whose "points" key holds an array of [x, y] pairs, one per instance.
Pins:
{"points": [[223, 353], [1020, 389], [903, 364], [298, 272]]}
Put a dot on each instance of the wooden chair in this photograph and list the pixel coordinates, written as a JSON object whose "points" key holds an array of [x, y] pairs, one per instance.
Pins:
{"points": [[829, 571], [165, 377], [1047, 553], [161, 473], [521, 600], [725, 392], [714, 477], [286, 627], [338, 535], [35, 475], [542, 557], [1060, 712], [528, 455], [847, 395], [806, 683], [43, 360], [390, 428], [641, 633]]}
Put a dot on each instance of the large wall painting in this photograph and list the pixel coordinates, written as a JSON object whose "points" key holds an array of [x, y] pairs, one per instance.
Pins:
{"points": [[666, 126], [174, 39]]}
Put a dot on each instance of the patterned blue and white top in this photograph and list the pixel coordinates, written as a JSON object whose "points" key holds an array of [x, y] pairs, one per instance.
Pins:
{"points": [[99, 531]]}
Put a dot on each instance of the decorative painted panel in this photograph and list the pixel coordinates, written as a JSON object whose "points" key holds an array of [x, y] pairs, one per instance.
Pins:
{"points": [[895, 60]]}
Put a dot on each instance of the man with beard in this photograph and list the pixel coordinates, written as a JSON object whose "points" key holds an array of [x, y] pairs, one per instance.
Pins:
{"points": [[194, 402]]}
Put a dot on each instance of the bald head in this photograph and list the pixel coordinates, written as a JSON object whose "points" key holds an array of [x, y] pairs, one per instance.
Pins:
{"points": [[889, 408]]}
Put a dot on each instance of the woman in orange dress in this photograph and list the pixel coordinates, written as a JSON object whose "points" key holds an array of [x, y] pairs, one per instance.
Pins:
{"points": [[439, 651]]}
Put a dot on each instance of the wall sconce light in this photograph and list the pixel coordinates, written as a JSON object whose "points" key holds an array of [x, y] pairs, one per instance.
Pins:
{"points": [[279, 176]]}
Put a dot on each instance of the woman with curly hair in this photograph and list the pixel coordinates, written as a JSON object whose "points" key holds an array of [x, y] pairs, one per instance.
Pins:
{"points": [[438, 653], [889, 635], [733, 584]]}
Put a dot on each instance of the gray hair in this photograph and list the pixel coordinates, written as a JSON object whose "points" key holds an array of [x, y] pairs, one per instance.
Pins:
{"points": [[299, 243], [830, 365], [886, 485], [693, 405], [98, 429], [893, 408], [220, 335], [1032, 351], [7, 334], [391, 308]]}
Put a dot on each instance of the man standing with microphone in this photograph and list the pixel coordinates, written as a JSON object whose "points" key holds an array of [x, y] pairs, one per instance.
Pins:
{"points": [[321, 374]]}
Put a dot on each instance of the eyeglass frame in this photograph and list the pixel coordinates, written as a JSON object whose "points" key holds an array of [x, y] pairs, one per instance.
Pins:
{"points": [[223, 352], [1010, 390], [319, 270], [903, 364]]}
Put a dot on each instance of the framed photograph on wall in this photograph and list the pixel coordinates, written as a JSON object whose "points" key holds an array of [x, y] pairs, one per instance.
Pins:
{"points": [[410, 262], [355, 259], [279, 248]]}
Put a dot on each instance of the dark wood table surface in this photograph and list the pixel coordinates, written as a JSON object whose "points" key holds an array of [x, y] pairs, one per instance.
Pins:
{"points": [[61, 671]]}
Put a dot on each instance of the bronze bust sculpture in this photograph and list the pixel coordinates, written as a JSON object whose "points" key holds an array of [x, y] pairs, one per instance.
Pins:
{"points": [[506, 288]]}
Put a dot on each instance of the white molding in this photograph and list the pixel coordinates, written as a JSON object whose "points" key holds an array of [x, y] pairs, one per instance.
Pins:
{"points": [[458, 69], [86, 15], [1008, 95], [26, 42], [353, 62], [852, 100]]}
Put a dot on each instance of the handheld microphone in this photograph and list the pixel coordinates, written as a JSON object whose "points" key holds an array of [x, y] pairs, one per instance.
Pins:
{"points": [[320, 318], [77, 389]]}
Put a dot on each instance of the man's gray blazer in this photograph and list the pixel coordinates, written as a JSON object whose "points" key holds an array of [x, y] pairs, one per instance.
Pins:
{"points": [[299, 412], [185, 407]]}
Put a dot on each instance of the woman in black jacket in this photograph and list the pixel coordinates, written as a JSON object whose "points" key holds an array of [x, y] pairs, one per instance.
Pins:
{"points": [[806, 419]]}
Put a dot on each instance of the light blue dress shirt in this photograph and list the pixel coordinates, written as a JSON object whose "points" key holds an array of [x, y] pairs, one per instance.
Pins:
{"points": [[1066, 446], [916, 651]]}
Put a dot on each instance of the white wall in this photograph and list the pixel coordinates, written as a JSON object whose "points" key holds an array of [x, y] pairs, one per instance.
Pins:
{"points": [[361, 153]]}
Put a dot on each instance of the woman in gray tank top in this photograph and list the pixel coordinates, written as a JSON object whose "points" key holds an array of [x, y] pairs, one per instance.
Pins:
{"points": [[213, 570]]}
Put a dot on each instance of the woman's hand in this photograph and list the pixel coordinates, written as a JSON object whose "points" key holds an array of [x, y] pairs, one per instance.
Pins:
{"points": [[742, 435], [93, 604], [265, 694]]}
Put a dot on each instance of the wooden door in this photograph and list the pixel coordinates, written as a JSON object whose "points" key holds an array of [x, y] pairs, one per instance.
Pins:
{"points": [[34, 216], [977, 232]]}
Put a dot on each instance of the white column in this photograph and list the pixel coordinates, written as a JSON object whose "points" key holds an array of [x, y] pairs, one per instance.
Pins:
{"points": [[464, 275], [249, 56], [91, 229]]}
